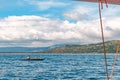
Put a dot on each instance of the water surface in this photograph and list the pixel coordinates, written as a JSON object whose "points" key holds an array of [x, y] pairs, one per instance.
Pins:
{"points": [[56, 67]]}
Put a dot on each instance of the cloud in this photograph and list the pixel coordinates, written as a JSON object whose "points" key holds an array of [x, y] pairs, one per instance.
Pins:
{"points": [[44, 5], [39, 31], [78, 13], [111, 11]]}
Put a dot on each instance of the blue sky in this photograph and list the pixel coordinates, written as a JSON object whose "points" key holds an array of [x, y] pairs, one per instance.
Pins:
{"points": [[40, 23]]}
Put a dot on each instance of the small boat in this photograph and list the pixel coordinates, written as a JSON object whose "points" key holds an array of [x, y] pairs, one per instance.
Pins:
{"points": [[33, 59]]}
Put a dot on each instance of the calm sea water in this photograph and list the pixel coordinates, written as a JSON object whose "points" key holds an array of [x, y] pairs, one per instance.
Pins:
{"points": [[56, 67]]}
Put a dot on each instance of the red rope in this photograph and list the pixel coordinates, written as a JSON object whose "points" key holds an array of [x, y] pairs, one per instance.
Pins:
{"points": [[102, 32], [106, 3]]}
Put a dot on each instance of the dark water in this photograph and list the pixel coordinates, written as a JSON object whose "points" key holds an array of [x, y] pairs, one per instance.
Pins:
{"points": [[56, 67]]}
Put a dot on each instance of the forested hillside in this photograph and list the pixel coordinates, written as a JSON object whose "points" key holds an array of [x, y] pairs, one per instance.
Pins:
{"points": [[90, 48]]}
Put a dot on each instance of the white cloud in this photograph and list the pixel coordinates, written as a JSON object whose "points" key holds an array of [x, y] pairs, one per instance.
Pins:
{"points": [[78, 13], [111, 11], [44, 5], [40, 31]]}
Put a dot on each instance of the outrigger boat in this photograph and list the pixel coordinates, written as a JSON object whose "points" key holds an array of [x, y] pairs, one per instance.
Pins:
{"points": [[33, 59]]}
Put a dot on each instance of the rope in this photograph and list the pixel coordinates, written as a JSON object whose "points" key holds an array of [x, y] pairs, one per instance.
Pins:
{"points": [[101, 4], [106, 3], [102, 32], [115, 59]]}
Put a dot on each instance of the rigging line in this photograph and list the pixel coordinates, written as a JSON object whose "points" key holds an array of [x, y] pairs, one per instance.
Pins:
{"points": [[115, 59], [106, 3], [101, 4], [101, 25]]}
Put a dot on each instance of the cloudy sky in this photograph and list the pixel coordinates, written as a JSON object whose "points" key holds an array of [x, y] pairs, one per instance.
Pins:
{"points": [[41, 23]]}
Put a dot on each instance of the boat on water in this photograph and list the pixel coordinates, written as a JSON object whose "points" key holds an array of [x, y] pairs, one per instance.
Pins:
{"points": [[33, 59]]}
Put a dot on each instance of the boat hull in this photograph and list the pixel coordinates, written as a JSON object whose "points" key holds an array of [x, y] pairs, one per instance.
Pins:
{"points": [[33, 59]]}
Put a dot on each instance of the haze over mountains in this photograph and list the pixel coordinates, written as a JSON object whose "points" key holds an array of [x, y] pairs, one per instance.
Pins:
{"points": [[28, 49], [62, 48]]}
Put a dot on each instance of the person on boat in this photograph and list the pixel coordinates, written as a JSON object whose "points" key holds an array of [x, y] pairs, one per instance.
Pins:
{"points": [[28, 57]]}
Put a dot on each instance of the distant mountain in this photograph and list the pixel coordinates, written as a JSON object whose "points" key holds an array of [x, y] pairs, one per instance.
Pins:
{"points": [[63, 48], [90, 48], [23, 49], [28, 49]]}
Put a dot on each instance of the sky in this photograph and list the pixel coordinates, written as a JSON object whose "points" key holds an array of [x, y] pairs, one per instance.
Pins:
{"points": [[42, 23]]}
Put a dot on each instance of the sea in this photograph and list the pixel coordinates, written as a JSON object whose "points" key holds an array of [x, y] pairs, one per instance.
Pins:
{"points": [[57, 66]]}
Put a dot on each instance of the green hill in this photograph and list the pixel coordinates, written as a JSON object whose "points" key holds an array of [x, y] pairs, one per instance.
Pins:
{"points": [[90, 48]]}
